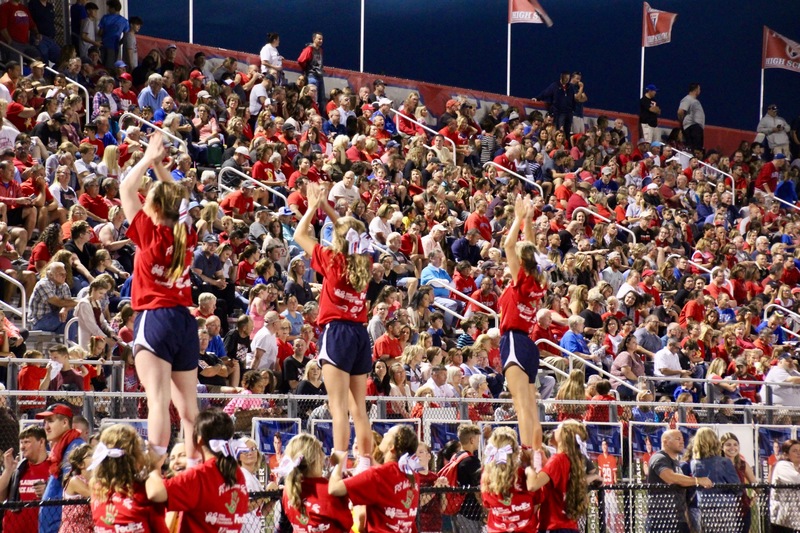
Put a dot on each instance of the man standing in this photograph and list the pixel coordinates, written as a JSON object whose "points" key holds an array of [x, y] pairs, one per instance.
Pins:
{"points": [[311, 62], [24, 481], [265, 344], [692, 118], [776, 130], [469, 518], [562, 96], [63, 440], [666, 510], [43, 13], [648, 114]]}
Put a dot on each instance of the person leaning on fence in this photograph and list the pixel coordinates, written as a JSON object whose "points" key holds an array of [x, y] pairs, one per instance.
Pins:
{"points": [[718, 509], [24, 480], [784, 507], [667, 511]]}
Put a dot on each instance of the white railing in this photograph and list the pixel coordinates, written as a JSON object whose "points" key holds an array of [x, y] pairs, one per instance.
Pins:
{"points": [[30, 59], [516, 175], [782, 309], [589, 212], [696, 265], [249, 179], [784, 202], [139, 119], [713, 169], [398, 117], [441, 283], [70, 323], [22, 310], [586, 363]]}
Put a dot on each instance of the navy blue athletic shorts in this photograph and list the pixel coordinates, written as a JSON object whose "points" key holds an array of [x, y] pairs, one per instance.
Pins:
{"points": [[517, 348], [346, 346], [171, 334]]}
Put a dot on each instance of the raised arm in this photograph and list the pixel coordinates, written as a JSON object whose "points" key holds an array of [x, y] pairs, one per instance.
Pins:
{"points": [[129, 188], [301, 235], [510, 245]]}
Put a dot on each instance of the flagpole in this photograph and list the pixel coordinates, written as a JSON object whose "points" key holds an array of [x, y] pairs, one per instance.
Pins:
{"points": [[761, 102], [508, 63], [361, 62], [641, 76]]}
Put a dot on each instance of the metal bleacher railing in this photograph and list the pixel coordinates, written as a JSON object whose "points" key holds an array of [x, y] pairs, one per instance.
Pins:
{"points": [[516, 175], [20, 311], [244, 177]]}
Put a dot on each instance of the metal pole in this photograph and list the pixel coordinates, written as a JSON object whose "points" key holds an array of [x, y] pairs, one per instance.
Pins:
{"points": [[361, 62], [641, 75], [761, 101], [191, 21], [508, 63]]}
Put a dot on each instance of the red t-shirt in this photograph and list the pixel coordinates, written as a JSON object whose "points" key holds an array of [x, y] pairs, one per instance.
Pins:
{"points": [[97, 205], [128, 513], [27, 520], [514, 512], [245, 274], [299, 200], [237, 200], [38, 253], [463, 284], [481, 223], [207, 503], [152, 289], [608, 468], [338, 301], [296, 175], [391, 499], [285, 351], [518, 303], [551, 513], [192, 90], [28, 188], [17, 20], [263, 171], [12, 114], [127, 99], [322, 512], [385, 345]]}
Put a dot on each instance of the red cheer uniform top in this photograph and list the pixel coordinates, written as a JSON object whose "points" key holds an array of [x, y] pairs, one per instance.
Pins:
{"points": [[514, 512], [518, 303], [152, 288], [551, 513], [119, 512], [392, 500], [322, 512], [338, 300]]}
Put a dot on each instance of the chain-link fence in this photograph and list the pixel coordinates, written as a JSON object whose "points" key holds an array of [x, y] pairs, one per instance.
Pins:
{"points": [[626, 508]]}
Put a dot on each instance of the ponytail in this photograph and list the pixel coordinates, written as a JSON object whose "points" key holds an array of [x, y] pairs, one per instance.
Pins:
{"points": [[227, 466], [294, 487], [359, 271], [178, 264]]}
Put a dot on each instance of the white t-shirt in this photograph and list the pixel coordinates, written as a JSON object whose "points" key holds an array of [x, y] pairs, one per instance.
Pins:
{"points": [[340, 191], [664, 358], [379, 226], [782, 395], [270, 54], [257, 92], [266, 341]]}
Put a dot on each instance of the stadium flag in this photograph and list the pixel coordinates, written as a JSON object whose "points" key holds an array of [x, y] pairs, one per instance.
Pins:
{"points": [[522, 12], [778, 52], [656, 30]]}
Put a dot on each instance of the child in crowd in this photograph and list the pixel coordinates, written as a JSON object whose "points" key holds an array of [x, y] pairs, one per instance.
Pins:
{"points": [[76, 486]]}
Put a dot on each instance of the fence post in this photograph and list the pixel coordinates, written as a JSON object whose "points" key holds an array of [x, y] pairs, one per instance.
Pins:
{"points": [[291, 407], [768, 401], [748, 416], [681, 414], [13, 373], [88, 410], [601, 511], [381, 408], [116, 386], [463, 411]]}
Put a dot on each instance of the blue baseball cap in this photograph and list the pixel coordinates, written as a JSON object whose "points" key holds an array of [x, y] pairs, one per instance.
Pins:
{"points": [[651, 87], [120, 64]]}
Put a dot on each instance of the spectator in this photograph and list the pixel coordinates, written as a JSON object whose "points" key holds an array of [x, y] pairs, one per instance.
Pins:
{"points": [[783, 502]]}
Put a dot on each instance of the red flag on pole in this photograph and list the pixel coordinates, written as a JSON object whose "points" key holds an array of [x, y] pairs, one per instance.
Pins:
{"points": [[780, 52], [656, 26], [527, 12]]}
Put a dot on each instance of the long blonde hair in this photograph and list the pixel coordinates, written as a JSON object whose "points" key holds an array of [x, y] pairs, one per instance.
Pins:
{"points": [[576, 500], [309, 449], [500, 478], [359, 267], [706, 444], [111, 159], [165, 199]]}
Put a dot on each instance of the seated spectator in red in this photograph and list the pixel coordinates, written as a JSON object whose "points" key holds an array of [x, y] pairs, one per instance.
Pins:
{"points": [[356, 152], [239, 204], [19, 209], [463, 279], [194, 84], [486, 295], [478, 220], [597, 411], [303, 166], [387, 346], [19, 113], [96, 206], [694, 309], [22, 157]]}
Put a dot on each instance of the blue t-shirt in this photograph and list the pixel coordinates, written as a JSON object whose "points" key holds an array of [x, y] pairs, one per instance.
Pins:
{"points": [[113, 26], [296, 321]]}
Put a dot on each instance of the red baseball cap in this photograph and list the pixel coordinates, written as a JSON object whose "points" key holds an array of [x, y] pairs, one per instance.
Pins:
{"points": [[56, 409], [126, 76], [197, 75]]}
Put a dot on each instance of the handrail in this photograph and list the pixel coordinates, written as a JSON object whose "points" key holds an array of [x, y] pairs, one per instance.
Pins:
{"points": [[47, 68], [450, 311], [424, 127], [784, 201], [441, 283], [718, 171], [250, 179], [22, 311], [139, 119], [72, 321], [696, 265], [520, 176], [780, 308], [600, 370], [589, 212]]}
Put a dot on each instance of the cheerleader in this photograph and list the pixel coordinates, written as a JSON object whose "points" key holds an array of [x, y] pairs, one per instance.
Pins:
{"points": [[166, 346], [344, 348], [520, 356]]}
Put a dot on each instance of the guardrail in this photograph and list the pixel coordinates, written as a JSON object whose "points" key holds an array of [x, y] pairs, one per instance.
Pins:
{"points": [[489, 310], [586, 363], [516, 175], [785, 311], [70, 323], [713, 169], [784, 202], [696, 265], [589, 212], [245, 177], [397, 117], [167, 134], [22, 310]]}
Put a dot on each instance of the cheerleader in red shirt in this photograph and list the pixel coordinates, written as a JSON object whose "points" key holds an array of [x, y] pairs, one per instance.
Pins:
{"points": [[119, 501], [166, 346], [390, 491], [306, 501], [510, 505], [563, 480], [518, 303], [344, 348]]}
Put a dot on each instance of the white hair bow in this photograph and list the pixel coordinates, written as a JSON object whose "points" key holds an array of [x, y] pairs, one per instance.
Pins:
{"points": [[101, 452], [497, 455], [288, 464], [582, 445], [228, 448], [409, 464], [358, 244]]}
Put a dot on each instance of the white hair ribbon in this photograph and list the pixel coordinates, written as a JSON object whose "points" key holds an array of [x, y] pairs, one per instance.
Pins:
{"points": [[101, 452], [582, 445], [228, 448], [288, 464], [497, 455], [358, 244], [409, 464], [183, 215]]}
